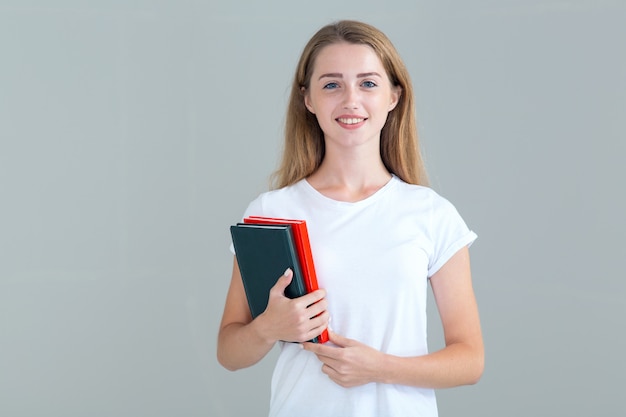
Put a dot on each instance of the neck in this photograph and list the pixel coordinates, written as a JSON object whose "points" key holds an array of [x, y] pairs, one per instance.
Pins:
{"points": [[350, 177]]}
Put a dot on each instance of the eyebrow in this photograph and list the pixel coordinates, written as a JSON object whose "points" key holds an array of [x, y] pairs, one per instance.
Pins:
{"points": [[339, 75]]}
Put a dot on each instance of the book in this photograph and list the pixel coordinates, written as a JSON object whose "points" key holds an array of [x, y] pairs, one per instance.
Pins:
{"points": [[303, 247], [264, 252], [301, 238]]}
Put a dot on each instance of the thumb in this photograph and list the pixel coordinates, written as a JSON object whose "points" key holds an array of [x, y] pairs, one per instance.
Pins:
{"points": [[283, 281], [338, 339]]}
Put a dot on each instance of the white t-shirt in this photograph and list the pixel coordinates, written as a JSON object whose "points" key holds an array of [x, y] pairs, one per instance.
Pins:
{"points": [[374, 258]]}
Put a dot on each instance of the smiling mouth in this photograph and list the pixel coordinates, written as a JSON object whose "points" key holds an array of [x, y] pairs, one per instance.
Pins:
{"points": [[350, 121]]}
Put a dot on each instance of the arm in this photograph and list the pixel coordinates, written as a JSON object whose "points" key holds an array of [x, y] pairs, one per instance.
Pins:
{"points": [[459, 363], [242, 341]]}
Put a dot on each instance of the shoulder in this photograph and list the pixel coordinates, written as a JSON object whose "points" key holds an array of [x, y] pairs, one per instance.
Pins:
{"points": [[427, 206], [280, 193], [266, 203], [420, 195]]}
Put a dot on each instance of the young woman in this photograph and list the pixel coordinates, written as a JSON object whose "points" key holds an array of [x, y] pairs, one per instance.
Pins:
{"points": [[352, 169]]}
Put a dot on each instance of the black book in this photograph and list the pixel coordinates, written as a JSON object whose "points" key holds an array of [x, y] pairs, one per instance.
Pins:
{"points": [[264, 252]]}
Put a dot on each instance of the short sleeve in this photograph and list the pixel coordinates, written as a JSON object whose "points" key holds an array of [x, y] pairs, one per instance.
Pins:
{"points": [[449, 233]]}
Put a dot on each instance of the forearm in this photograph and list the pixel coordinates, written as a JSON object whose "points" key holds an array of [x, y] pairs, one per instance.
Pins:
{"points": [[457, 364], [241, 345]]}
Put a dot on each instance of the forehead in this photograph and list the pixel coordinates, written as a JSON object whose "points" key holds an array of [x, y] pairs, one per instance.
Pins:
{"points": [[346, 58]]}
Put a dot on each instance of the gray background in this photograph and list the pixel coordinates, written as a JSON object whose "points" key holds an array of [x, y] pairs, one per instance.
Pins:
{"points": [[133, 133]]}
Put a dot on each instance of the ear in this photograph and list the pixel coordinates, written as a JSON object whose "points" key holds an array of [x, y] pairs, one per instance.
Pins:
{"points": [[396, 93], [307, 101]]}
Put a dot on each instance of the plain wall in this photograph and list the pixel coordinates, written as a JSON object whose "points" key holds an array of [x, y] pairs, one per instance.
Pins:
{"points": [[133, 133]]}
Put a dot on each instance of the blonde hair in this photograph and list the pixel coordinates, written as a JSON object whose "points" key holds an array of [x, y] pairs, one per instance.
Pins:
{"points": [[304, 146]]}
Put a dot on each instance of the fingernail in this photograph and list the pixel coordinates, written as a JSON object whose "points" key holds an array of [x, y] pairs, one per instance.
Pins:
{"points": [[286, 271]]}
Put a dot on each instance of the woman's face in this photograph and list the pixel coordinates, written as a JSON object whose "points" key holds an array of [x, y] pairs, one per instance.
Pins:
{"points": [[350, 94]]}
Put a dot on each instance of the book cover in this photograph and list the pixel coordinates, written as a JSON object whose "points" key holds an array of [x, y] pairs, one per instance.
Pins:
{"points": [[301, 238]]}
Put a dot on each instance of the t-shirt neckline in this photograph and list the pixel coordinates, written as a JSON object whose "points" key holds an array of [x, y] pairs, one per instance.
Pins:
{"points": [[378, 194]]}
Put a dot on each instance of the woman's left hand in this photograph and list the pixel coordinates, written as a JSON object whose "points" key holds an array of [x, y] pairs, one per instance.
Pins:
{"points": [[349, 363]]}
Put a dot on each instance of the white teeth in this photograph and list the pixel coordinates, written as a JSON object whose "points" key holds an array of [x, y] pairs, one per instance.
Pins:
{"points": [[352, 121]]}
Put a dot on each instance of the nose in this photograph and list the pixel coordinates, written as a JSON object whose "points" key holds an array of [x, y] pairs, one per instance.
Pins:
{"points": [[351, 98]]}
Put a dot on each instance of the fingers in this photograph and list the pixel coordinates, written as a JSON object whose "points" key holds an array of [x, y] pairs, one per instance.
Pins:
{"points": [[299, 319], [333, 349], [347, 362], [319, 322], [306, 300], [311, 325]]}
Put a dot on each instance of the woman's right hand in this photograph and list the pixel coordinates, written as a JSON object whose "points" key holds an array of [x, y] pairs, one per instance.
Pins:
{"points": [[293, 320]]}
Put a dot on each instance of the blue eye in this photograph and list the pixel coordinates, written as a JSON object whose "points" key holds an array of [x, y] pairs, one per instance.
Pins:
{"points": [[369, 84], [331, 86]]}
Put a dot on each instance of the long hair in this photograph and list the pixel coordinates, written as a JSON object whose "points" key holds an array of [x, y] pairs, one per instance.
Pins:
{"points": [[304, 147]]}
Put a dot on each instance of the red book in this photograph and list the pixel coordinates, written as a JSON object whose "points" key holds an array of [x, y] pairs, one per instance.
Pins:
{"points": [[301, 238]]}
